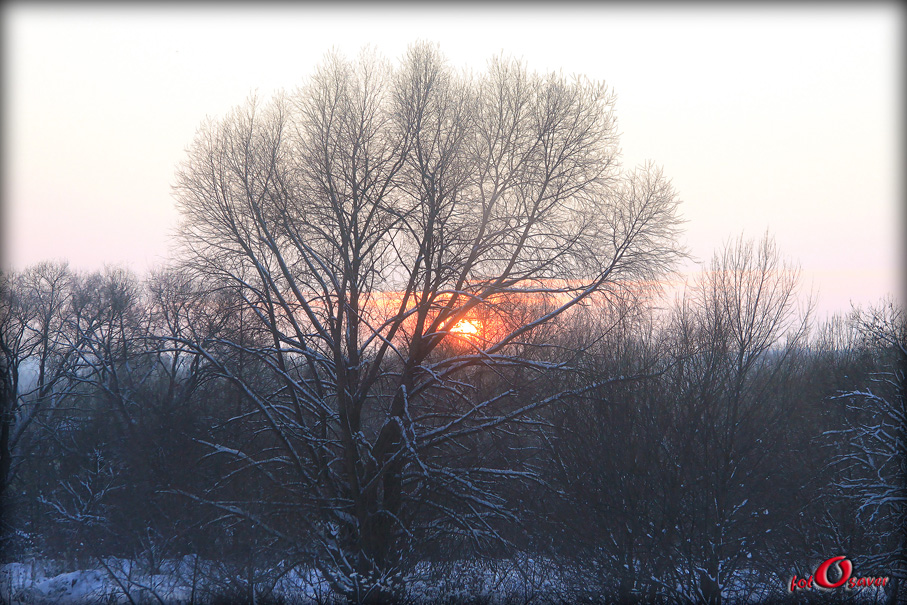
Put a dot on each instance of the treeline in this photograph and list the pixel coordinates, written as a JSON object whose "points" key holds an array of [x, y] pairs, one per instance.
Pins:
{"points": [[705, 452]]}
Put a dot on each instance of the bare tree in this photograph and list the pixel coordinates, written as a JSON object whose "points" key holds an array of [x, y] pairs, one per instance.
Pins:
{"points": [[736, 340], [606, 464], [361, 219], [36, 360], [871, 468], [675, 467]]}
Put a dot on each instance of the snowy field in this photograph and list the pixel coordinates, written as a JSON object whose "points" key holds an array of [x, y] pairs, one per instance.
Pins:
{"points": [[193, 581], [190, 580], [174, 582]]}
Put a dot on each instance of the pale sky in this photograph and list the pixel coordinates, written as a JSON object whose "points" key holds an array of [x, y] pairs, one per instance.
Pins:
{"points": [[765, 117]]}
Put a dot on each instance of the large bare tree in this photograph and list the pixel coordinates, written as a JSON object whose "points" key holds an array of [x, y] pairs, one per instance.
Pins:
{"points": [[394, 233]]}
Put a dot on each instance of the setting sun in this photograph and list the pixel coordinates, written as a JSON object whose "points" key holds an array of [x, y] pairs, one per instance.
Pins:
{"points": [[467, 327]]}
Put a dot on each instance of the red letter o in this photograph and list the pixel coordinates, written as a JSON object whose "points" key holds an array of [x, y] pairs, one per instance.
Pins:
{"points": [[822, 572]]}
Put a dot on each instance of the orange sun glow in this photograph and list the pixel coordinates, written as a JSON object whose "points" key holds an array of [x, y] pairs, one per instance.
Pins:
{"points": [[467, 327]]}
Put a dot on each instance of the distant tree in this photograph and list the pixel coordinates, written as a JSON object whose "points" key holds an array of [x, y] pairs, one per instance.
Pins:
{"points": [[126, 433], [870, 468], [678, 464], [609, 519], [360, 220], [36, 362], [102, 329], [738, 337]]}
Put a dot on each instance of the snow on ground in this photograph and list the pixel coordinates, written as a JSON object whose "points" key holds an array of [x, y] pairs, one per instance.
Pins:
{"points": [[174, 582], [26, 583], [192, 580], [75, 587]]}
